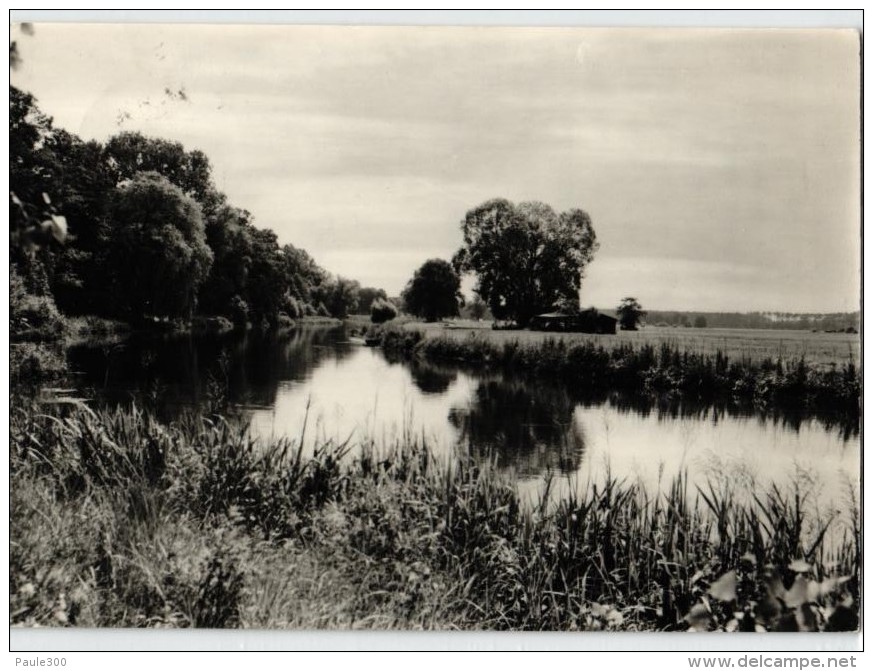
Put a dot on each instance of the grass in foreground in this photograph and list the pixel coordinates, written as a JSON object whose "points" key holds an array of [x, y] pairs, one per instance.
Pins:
{"points": [[118, 520]]}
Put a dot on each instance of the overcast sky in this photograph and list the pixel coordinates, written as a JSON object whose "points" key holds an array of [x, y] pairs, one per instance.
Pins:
{"points": [[720, 168]]}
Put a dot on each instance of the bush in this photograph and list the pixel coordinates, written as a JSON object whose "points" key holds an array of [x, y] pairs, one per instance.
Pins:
{"points": [[293, 307], [382, 311], [239, 312], [36, 318], [285, 322], [31, 363], [218, 324]]}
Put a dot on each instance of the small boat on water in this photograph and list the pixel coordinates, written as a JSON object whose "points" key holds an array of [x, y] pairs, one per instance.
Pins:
{"points": [[368, 340]]}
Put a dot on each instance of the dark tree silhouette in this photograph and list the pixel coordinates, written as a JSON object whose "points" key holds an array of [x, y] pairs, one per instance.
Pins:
{"points": [[159, 252], [526, 257], [630, 313], [382, 310], [434, 292]]}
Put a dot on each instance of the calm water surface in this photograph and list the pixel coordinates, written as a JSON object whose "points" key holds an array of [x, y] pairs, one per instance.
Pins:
{"points": [[355, 393]]}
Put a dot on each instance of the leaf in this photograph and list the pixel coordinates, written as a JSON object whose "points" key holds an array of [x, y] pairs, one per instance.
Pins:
{"points": [[749, 558], [814, 590], [775, 588], [725, 588], [806, 619], [615, 618], [59, 227], [698, 618], [800, 566], [797, 595], [46, 199]]}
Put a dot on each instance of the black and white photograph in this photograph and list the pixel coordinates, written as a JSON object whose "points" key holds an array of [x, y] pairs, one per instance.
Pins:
{"points": [[435, 328]]}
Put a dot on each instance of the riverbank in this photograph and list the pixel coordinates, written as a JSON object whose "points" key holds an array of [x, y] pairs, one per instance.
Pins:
{"points": [[596, 366], [38, 355], [816, 348], [119, 520]]}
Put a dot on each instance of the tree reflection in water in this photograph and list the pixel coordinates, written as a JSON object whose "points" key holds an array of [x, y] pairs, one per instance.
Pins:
{"points": [[174, 373], [529, 429], [431, 379]]}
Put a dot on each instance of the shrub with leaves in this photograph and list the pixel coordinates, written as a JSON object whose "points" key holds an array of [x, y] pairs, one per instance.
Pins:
{"points": [[758, 599], [382, 311]]}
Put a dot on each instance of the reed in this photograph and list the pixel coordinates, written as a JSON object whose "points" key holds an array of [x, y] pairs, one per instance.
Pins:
{"points": [[120, 520], [770, 383]]}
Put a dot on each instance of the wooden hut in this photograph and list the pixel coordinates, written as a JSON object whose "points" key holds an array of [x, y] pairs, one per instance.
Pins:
{"points": [[586, 321]]}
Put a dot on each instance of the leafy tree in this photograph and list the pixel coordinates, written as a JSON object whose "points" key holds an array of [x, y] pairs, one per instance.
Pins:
{"points": [[366, 297], [630, 313], [434, 291], [33, 218], [700, 322], [382, 310], [525, 257], [338, 296], [477, 308], [128, 153], [82, 189], [567, 306], [266, 278], [302, 274], [229, 237], [159, 256]]}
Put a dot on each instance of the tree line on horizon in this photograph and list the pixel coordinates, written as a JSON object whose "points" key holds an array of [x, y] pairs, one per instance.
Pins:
{"points": [[818, 321], [134, 229]]}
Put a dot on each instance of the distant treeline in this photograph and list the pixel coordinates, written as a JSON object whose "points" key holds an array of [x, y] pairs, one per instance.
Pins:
{"points": [[135, 229], [830, 321]]}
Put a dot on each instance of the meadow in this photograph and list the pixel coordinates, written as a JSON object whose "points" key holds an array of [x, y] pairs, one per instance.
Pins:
{"points": [[119, 520]]}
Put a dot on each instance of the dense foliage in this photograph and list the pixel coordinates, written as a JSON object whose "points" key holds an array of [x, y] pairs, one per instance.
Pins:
{"points": [[526, 257], [135, 229], [434, 291], [630, 313], [382, 310], [159, 257]]}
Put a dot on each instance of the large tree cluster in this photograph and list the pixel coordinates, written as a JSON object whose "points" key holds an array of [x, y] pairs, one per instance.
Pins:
{"points": [[526, 257], [134, 228]]}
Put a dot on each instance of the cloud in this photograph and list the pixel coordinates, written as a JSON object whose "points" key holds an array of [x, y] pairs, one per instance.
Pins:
{"points": [[710, 147]]}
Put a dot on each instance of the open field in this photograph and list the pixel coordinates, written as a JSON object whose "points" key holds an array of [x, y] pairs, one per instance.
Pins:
{"points": [[818, 349]]}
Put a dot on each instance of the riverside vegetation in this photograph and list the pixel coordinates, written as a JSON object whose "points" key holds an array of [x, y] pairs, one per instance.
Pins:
{"points": [[120, 520], [789, 387]]}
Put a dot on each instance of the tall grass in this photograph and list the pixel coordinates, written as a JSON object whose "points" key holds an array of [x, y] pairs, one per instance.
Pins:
{"points": [[790, 387], [119, 520]]}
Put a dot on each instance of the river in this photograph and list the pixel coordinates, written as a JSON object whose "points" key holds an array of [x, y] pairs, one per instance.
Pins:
{"points": [[344, 392]]}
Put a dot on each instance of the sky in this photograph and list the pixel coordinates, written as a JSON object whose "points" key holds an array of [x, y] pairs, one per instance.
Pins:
{"points": [[721, 168]]}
